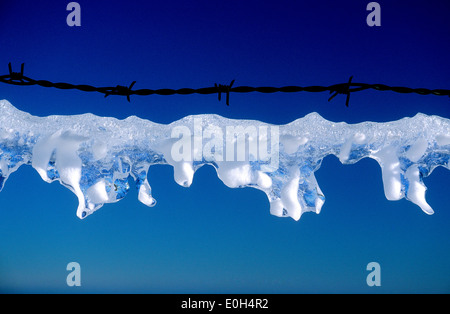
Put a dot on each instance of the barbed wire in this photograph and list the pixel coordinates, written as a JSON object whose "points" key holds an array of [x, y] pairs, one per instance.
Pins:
{"points": [[18, 78]]}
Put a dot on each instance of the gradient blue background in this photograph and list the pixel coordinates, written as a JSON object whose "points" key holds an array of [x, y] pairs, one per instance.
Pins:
{"points": [[210, 238]]}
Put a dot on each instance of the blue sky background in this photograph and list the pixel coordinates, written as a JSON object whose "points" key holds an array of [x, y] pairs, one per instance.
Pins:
{"points": [[210, 238]]}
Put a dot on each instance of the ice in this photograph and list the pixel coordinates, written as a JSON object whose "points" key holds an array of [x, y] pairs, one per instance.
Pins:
{"points": [[95, 157], [391, 172]]}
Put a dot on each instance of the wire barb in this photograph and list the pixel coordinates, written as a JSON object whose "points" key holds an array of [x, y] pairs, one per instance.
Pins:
{"points": [[342, 89], [16, 77], [121, 91], [226, 89]]}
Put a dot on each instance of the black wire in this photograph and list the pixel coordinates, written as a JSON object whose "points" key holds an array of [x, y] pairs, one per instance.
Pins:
{"points": [[18, 78]]}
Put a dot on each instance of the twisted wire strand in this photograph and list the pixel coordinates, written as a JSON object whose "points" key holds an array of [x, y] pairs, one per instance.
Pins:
{"points": [[18, 78]]}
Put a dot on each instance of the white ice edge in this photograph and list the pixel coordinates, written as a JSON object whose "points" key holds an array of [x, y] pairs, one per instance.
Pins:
{"points": [[95, 156]]}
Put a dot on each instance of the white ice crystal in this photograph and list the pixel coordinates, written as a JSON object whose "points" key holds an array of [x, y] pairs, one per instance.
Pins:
{"points": [[95, 156]]}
